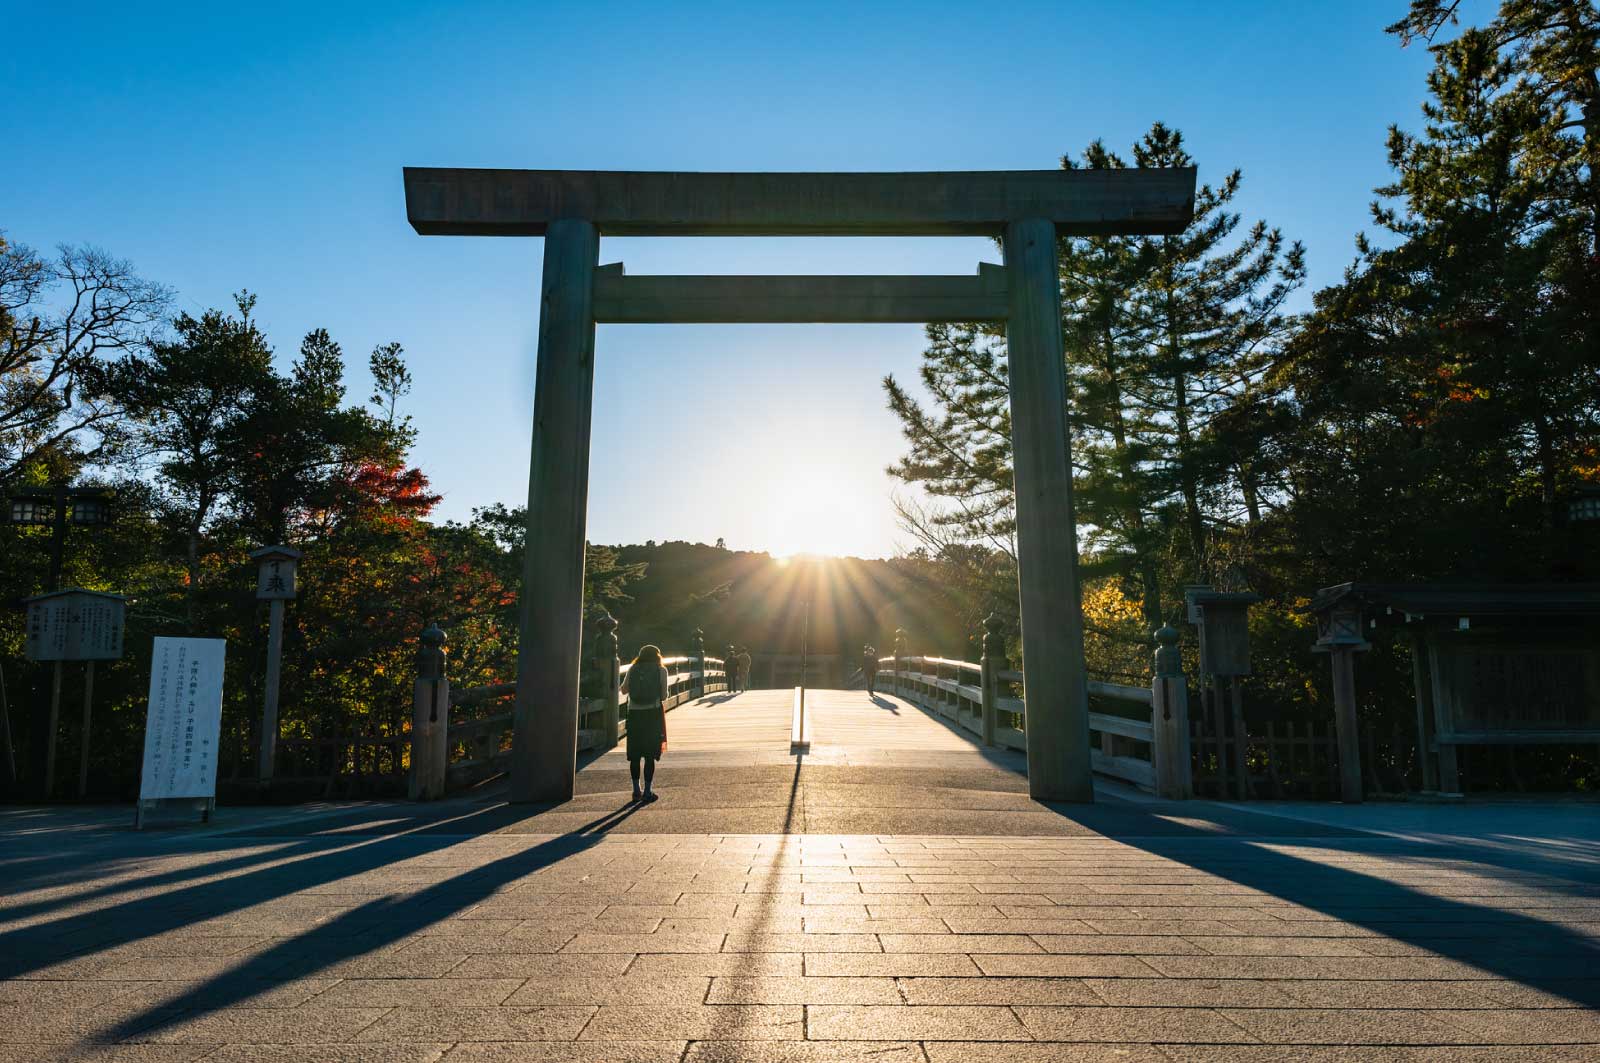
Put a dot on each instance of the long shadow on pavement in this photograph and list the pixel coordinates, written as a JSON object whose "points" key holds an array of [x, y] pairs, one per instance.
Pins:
{"points": [[371, 926], [83, 934], [1510, 945]]}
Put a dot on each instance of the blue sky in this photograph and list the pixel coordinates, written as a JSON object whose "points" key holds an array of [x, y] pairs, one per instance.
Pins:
{"points": [[228, 146]]}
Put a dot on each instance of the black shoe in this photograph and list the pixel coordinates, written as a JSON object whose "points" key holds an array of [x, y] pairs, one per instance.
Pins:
{"points": [[651, 795], [637, 796]]}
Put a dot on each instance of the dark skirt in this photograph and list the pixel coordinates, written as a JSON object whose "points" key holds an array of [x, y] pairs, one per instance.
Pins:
{"points": [[644, 733]]}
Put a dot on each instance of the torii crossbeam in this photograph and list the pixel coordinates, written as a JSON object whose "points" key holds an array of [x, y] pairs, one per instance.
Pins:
{"points": [[571, 209]]}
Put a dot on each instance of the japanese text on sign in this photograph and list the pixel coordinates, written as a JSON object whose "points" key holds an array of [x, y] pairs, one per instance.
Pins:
{"points": [[185, 719]]}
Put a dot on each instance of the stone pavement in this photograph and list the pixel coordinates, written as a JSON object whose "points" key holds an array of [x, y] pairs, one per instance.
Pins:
{"points": [[981, 927]]}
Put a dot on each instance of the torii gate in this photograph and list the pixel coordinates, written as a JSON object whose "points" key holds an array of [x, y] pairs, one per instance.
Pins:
{"points": [[1028, 209]]}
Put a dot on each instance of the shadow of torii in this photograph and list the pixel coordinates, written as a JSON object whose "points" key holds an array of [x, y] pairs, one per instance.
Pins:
{"points": [[360, 930]]}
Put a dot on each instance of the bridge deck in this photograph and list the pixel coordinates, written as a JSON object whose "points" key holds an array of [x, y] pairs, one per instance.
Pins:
{"points": [[847, 728], [894, 896]]}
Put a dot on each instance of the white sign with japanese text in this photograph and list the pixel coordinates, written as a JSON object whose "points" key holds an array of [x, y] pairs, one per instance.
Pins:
{"points": [[185, 718]]}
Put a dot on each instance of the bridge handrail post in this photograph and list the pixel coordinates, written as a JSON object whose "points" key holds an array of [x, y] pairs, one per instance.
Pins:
{"points": [[899, 659], [992, 663], [698, 650], [430, 718], [1169, 720], [611, 670]]}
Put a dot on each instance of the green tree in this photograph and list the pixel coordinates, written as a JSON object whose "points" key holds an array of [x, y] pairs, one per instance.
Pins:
{"points": [[1450, 386], [191, 394], [1168, 339]]}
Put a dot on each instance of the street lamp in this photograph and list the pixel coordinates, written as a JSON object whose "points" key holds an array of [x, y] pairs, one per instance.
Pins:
{"points": [[59, 506]]}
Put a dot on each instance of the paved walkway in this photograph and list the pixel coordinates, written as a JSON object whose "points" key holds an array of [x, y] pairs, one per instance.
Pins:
{"points": [[982, 926]]}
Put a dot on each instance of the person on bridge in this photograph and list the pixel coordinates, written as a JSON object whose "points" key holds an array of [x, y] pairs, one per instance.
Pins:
{"points": [[731, 667], [744, 669], [869, 668], [646, 685]]}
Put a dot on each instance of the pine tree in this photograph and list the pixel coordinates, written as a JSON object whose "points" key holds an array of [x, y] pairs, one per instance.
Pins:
{"points": [[1168, 340], [1451, 383]]}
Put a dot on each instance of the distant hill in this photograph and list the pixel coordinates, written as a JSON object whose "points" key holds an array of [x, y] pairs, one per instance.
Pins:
{"points": [[758, 601]]}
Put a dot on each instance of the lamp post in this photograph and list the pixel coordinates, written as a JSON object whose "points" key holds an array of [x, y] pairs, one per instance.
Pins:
{"points": [[275, 583], [1341, 635], [58, 507]]}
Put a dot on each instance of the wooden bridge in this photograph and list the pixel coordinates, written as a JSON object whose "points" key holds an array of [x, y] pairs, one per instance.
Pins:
{"points": [[923, 707]]}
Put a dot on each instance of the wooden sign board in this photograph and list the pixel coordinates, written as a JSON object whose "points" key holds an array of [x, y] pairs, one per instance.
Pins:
{"points": [[276, 578], [184, 720], [1223, 620], [1531, 688], [75, 625]]}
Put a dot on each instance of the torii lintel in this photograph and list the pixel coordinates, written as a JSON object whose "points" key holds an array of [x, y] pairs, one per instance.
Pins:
{"points": [[491, 202]]}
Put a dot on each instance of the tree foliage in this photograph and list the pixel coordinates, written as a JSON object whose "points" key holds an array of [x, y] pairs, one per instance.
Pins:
{"points": [[1427, 419]]}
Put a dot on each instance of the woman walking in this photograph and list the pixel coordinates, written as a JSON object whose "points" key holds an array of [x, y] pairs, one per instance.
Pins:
{"points": [[646, 686]]}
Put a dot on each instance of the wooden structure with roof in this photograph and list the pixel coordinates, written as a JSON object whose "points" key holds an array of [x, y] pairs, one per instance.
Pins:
{"points": [[1492, 664]]}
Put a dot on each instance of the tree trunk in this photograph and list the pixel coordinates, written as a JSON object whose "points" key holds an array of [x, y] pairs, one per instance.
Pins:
{"points": [[1148, 571], [1186, 478]]}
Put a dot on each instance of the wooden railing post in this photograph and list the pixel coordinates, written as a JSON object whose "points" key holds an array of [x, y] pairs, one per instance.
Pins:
{"points": [[899, 658], [697, 649], [610, 670], [993, 663], [1169, 720], [430, 718]]}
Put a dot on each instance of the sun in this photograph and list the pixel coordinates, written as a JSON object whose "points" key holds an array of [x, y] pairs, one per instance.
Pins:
{"points": [[805, 514]]}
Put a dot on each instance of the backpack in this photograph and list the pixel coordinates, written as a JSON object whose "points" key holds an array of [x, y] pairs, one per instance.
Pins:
{"points": [[644, 684]]}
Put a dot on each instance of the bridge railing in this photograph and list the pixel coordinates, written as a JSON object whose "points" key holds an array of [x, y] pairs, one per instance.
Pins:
{"points": [[1142, 738], [461, 737]]}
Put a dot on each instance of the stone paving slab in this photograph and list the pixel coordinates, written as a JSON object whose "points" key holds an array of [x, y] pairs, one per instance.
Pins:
{"points": [[1136, 930]]}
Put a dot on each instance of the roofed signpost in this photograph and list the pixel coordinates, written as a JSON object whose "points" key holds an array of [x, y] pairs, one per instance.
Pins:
{"points": [[572, 209]]}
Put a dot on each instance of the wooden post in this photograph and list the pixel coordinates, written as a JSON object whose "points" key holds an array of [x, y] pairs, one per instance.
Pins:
{"points": [[698, 649], [1054, 680], [1241, 739], [545, 739], [50, 743], [430, 718], [269, 710], [83, 753], [1443, 726], [994, 662], [1344, 715], [1169, 719], [5, 734], [1423, 688], [899, 658], [611, 669]]}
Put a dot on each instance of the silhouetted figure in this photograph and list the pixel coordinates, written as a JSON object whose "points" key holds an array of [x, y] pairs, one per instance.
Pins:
{"points": [[646, 685], [869, 668], [744, 669], [730, 666]]}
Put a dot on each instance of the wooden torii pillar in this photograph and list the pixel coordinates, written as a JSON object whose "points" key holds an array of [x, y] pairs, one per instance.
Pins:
{"points": [[1028, 209]]}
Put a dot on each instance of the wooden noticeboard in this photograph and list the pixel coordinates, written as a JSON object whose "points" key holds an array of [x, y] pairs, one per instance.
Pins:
{"points": [[1506, 685], [75, 625]]}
